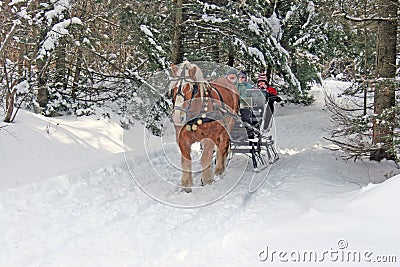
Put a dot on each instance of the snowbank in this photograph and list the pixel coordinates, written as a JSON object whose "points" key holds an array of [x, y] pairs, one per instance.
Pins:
{"points": [[67, 198], [36, 147]]}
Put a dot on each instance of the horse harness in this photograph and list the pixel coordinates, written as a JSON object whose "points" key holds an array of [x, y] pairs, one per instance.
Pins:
{"points": [[218, 110]]}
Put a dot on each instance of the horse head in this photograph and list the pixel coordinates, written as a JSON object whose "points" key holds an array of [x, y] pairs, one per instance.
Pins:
{"points": [[186, 84]]}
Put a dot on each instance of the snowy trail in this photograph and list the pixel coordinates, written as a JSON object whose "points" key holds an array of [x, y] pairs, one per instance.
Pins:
{"points": [[98, 216]]}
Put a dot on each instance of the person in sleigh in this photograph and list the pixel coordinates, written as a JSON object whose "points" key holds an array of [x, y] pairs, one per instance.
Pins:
{"points": [[269, 92]]}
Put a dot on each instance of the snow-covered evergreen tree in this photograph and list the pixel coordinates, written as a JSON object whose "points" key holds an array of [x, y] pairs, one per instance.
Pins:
{"points": [[370, 128], [77, 55]]}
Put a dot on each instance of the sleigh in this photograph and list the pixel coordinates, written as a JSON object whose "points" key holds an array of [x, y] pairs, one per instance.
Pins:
{"points": [[212, 114], [252, 134]]}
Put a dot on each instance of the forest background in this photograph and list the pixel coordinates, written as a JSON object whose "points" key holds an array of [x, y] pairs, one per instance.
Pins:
{"points": [[72, 56]]}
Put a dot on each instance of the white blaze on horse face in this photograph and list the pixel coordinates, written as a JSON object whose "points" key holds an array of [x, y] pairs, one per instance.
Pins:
{"points": [[179, 116]]}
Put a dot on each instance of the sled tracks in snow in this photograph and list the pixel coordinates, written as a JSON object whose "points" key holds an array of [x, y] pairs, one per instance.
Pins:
{"points": [[154, 162], [157, 171]]}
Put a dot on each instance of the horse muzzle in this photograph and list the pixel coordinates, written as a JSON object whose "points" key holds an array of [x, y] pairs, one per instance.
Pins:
{"points": [[179, 117]]}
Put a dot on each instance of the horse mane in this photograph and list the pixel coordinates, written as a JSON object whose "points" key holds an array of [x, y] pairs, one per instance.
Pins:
{"points": [[191, 72]]}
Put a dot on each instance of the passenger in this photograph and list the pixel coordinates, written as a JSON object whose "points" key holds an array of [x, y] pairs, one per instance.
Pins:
{"points": [[269, 92], [231, 74], [243, 84]]}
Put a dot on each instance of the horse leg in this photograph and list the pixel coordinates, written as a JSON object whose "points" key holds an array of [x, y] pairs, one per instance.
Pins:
{"points": [[222, 153], [206, 160], [186, 164]]}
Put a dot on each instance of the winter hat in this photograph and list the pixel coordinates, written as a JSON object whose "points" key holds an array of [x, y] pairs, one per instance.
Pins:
{"points": [[262, 77], [242, 73], [231, 71]]}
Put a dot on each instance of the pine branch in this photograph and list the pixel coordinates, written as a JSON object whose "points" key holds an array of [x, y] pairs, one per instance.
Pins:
{"points": [[371, 18], [350, 151]]}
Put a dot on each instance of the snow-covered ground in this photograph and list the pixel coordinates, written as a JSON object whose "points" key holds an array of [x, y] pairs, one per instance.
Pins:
{"points": [[68, 197]]}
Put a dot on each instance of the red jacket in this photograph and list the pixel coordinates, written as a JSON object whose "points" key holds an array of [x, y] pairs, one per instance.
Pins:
{"points": [[271, 90]]}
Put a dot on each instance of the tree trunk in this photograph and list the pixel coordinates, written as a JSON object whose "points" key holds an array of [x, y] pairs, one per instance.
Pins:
{"points": [[10, 98], [384, 97], [269, 73], [60, 55], [176, 51], [42, 94], [231, 56], [77, 74], [215, 46]]}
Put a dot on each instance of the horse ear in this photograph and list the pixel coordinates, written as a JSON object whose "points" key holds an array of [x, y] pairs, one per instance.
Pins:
{"points": [[174, 69], [192, 73]]}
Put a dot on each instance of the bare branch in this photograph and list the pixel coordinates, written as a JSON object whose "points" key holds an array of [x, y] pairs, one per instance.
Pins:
{"points": [[12, 31]]}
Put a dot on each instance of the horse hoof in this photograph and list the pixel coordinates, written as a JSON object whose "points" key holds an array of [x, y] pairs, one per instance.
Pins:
{"points": [[219, 176], [187, 189], [208, 182]]}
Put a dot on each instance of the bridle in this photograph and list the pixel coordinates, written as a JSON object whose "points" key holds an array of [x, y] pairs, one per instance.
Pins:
{"points": [[179, 98], [180, 83], [212, 108]]}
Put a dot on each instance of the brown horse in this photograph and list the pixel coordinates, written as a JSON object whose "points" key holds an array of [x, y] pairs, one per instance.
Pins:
{"points": [[203, 112]]}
